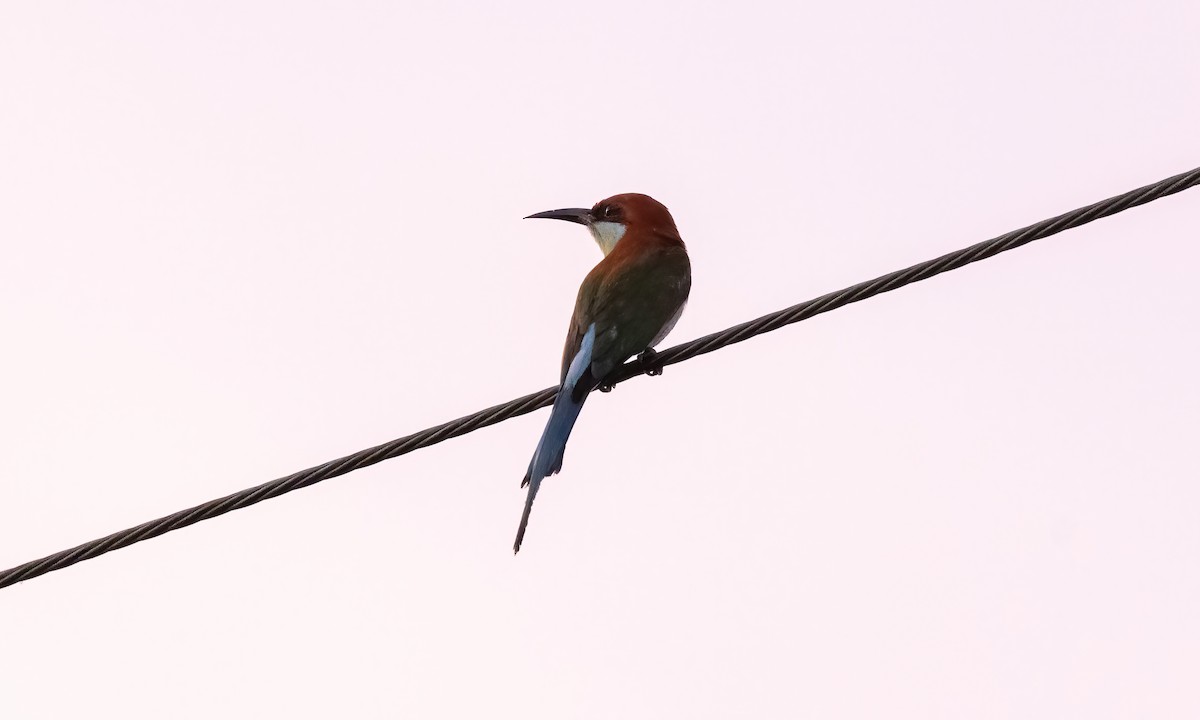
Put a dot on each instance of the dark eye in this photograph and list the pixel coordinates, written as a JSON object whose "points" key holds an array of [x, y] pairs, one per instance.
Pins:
{"points": [[610, 211]]}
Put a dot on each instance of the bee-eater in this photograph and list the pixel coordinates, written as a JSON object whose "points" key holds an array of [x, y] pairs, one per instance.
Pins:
{"points": [[626, 305]]}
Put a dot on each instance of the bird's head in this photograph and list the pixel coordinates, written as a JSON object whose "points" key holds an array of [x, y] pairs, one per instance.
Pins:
{"points": [[612, 217]]}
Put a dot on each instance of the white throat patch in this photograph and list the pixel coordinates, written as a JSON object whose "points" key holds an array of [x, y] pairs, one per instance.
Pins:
{"points": [[607, 234]]}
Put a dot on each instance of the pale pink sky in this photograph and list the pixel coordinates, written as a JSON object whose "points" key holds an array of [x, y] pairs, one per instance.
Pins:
{"points": [[243, 238]]}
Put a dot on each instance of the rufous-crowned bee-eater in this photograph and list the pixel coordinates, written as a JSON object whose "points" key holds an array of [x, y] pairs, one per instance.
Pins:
{"points": [[626, 305]]}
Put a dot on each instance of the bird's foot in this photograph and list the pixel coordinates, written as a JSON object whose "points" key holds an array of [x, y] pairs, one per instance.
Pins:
{"points": [[646, 359]]}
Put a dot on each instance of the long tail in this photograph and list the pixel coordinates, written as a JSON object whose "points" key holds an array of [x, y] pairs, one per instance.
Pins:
{"points": [[548, 457]]}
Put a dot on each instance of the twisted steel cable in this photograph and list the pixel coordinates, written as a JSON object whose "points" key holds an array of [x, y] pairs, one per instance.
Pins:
{"points": [[543, 398]]}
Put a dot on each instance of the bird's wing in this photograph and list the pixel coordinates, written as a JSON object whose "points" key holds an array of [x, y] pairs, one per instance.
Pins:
{"points": [[629, 303], [575, 334]]}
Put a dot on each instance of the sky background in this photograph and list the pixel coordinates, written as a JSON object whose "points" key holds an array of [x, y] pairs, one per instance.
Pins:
{"points": [[243, 238]]}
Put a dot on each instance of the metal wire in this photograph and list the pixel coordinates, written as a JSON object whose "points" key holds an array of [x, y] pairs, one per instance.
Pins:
{"points": [[543, 398]]}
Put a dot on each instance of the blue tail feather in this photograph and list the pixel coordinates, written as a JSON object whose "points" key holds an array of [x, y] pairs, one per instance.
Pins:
{"points": [[547, 458]]}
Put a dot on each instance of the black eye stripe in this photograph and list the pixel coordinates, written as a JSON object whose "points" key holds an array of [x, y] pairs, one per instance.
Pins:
{"points": [[611, 213]]}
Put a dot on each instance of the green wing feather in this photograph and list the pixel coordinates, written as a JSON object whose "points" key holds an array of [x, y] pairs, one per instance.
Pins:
{"points": [[630, 300]]}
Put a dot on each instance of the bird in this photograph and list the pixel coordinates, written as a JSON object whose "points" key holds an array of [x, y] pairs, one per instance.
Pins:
{"points": [[626, 305]]}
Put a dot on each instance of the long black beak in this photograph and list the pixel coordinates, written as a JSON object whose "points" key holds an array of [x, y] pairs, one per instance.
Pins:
{"points": [[583, 216]]}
